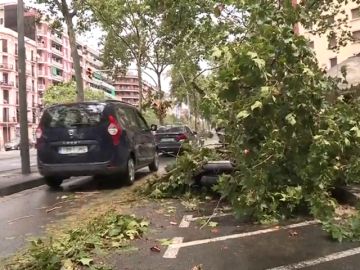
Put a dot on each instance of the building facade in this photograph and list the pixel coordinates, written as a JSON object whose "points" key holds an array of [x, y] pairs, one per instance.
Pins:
{"points": [[127, 89], [322, 45], [48, 62]]}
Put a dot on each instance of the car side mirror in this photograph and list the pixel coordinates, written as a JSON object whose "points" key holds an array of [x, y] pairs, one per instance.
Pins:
{"points": [[153, 127]]}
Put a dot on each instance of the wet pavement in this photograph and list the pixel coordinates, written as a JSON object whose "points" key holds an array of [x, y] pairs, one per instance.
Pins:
{"points": [[233, 244], [10, 161], [26, 214]]}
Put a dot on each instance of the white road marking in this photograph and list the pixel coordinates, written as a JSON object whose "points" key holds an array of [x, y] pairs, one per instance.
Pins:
{"points": [[171, 252], [328, 258], [185, 222], [212, 216], [176, 246]]}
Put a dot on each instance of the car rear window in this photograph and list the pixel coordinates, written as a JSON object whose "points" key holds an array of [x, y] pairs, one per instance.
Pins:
{"points": [[170, 129], [73, 115]]}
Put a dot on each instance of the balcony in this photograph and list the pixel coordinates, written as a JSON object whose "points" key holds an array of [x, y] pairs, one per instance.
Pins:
{"points": [[56, 52], [6, 66], [56, 39], [6, 84], [41, 33], [41, 60], [42, 73], [42, 46], [41, 87], [57, 64], [58, 78]]}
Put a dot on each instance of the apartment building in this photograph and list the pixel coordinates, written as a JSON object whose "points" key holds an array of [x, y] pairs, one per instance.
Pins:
{"points": [[322, 45], [48, 61], [127, 89]]}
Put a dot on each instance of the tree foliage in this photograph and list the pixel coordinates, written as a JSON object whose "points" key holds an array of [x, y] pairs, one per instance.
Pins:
{"points": [[290, 144], [66, 92]]}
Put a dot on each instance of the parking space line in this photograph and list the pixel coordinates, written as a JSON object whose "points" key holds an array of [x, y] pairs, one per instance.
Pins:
{"points": [[171, 252], [328, 258], [185, 221], [176, 246]]}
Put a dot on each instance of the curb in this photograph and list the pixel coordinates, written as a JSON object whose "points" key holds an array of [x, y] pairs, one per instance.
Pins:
{"points": [[348, 194], [21, 183]]}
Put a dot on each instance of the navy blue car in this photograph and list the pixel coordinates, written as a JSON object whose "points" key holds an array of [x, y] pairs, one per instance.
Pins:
{"points": [[94, 138]]}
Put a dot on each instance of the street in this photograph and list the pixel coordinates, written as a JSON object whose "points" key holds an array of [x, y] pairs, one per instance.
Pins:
{"points": [[10, 160], [25, 214]]}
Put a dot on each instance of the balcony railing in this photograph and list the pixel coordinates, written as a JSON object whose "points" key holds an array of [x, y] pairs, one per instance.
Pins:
{"points": [[58, 64], [57, 39], [56, 51], [41, 87], [57, 77], [6, 84], [6, 66]]}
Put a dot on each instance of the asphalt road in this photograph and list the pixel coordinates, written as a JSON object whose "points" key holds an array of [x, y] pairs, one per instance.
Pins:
{"points": [[10, 161], [26, 214]]}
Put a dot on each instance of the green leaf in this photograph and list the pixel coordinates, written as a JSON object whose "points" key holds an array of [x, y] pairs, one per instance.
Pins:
{"points": [[256, 105], [85, 261], [212, 224], [290, 118], [243, 114]]}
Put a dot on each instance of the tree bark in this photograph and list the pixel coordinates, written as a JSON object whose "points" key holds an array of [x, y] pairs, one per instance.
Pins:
{"points": [[74, 53], [138, 63]]}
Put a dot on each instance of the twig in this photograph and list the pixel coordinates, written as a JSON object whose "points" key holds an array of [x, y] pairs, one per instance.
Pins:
{"points": [[52, 209], [213, 214], [262, 162], [19, 218]]}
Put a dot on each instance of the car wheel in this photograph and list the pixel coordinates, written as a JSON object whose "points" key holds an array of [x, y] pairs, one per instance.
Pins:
{"points": [[129, 175], [154, 165], [53, 181]]}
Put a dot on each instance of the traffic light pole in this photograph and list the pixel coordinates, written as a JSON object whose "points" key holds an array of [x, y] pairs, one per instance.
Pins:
{"points": [[24, 137]]}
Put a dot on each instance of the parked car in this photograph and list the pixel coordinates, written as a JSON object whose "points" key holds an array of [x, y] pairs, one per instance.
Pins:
{"points": [[170, 138], [94, 138], [15, 144]]}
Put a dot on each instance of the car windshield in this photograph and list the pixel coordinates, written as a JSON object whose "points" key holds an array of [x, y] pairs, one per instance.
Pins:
{"points": [[73, 115], [177, 129]]}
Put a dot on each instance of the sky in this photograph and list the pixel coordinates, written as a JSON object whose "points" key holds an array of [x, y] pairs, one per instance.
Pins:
{"points": [[93, 38]]}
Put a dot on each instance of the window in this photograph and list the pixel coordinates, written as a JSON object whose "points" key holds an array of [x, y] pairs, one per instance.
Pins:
{"points": [[355, 13], [17, 82], [5, 114], [5, 77], [32, 85], [16, 49], [4, 45], [332, 42], [32, 55], [73, 116], [34, 116], [33, 70], [33, 101], [128, 116], [142, 123], [6, 96], [17, 98], [1, 21], [17, 115], [16, 65], [356, 36], [311, 44], [333, 62]]}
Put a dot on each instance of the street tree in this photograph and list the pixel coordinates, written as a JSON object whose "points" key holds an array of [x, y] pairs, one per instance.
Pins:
{"points": [[66, 93], [59, 11], [291, 144], [126, 24]]}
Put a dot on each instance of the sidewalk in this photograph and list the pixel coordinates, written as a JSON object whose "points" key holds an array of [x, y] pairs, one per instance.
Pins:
{"points": [[13, 182]]}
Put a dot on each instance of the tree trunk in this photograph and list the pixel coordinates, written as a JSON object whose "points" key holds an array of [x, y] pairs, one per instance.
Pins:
{"points": [[138, 63], [159, 85], [74, 55]]}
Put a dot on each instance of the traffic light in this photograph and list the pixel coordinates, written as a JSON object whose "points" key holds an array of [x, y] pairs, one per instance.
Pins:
{"points": [[89, 73]]}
